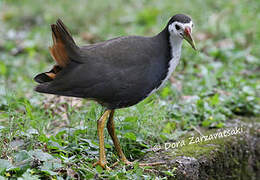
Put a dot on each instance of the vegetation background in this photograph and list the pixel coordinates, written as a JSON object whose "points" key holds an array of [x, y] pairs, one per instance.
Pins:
{"points": [[50, 137]]}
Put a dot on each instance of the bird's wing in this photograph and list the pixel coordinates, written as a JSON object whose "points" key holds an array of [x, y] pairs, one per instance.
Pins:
{"points": [[107, 70], [91, 46]]}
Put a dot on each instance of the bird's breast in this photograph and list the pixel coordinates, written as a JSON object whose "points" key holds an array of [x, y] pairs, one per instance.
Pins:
{"points": [[172, 64]]}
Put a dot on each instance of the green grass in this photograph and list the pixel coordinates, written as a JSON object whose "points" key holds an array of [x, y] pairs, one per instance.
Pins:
{"points": [[47, 137]]}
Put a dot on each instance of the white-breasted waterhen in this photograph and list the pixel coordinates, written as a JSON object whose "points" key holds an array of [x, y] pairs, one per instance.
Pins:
{"points": [[117, 73]]}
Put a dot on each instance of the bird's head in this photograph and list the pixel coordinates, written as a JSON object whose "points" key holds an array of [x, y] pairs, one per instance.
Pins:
{"points": [[180, 26]]}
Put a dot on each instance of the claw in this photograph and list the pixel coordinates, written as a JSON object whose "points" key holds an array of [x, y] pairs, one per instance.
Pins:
{"points": [[102, 164]]}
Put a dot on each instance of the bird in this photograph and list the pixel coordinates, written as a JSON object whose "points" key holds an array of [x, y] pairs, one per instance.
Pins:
{"points": [[116, 73]]}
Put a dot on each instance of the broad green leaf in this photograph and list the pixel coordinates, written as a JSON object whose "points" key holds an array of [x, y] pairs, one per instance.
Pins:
{"points": [[28, 176], [99, 169], [22, 156], [48, 165], [5, 164], [130, 136], [39, 154], [206, 123], [169, 127]]}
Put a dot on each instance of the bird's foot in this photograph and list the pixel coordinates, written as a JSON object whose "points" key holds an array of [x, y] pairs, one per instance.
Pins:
{"points": [[102, 164], [126, 162]]}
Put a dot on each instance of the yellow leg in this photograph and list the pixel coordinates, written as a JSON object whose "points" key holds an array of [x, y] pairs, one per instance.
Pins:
{"points": [[112, 133], [100, 127]]}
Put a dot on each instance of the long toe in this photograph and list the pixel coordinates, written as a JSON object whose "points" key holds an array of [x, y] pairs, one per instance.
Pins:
{"points": [[102, 164], [126, 162]]}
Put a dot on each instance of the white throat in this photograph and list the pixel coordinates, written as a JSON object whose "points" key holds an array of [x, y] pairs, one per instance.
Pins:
{"points": [[175, 43]]}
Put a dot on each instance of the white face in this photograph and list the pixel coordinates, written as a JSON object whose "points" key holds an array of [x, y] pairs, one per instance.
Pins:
{"points": [[177, 28]]}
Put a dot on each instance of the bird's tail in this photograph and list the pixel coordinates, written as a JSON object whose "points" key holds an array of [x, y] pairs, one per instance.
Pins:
{"points": [[62, 51]]}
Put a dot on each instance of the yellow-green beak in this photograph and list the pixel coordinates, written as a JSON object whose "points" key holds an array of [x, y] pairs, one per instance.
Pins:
{"points": [[187, 36]]}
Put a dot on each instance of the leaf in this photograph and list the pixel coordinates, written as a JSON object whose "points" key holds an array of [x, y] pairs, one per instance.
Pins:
{"points": [[130, 136], [29, 109], [131, 119], [220, 125], [22, 156], [16, 144], [28, 176], [2, 178], [214, 100], [51, 165], [169, 173], [108, 146], [23, 160], [54, 145], [99, 169], [49, 172], [206, 123], [91, 152], [3, 69], [169, 127], [5, 164], [165, 92], [39, 154], [90, 143], [248, 90], [32, 131], [130, 122]]}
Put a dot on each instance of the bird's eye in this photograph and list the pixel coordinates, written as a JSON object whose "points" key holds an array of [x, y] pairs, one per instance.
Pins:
{"points": [[177, 27]]}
